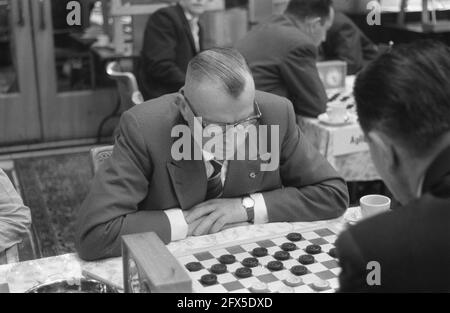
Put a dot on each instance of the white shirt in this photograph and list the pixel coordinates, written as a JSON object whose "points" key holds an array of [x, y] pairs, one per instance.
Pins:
{"points": [[178, 225]]}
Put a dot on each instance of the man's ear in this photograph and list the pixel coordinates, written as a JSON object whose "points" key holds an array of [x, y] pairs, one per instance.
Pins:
{"points": [[182, 106], [385, 149]]}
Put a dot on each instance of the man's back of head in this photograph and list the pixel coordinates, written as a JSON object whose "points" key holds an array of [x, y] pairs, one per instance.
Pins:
{"points": [[403, 103], [406, 94], [303, 9], [224, 66], [313, 17]]}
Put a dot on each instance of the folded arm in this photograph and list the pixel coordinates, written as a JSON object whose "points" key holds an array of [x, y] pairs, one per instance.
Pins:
{"points": [[313, 190]]}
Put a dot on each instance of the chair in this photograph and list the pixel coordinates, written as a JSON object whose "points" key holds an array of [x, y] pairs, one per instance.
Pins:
{"points": [[22, 251], [99, 155], [129, 94], [127, 85]]}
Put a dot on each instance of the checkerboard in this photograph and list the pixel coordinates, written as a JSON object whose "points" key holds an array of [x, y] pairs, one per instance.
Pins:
{"points": [[325, 267]]}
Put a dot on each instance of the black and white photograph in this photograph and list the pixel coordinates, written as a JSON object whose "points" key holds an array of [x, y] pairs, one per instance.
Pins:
{"points": [[225, 152]]}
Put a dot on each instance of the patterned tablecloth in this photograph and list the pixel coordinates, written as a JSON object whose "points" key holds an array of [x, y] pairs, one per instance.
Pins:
{"points": [[343, 146], [20, 277], [353, 166]]}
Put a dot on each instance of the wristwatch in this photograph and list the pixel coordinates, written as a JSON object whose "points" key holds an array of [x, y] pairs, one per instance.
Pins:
{"points": [[249, 205]]}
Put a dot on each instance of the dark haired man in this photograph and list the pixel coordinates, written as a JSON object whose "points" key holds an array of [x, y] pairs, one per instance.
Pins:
{"points": [[172, 37], [145, 185], [282, 54], [346, 42], [404, 110]]}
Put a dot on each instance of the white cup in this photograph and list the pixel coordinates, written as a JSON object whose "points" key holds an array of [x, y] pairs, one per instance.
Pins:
{"points": [[337, 112], [372, 205]]}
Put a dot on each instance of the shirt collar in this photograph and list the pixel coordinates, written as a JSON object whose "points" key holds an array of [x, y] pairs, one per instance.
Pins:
{"points": [[207, 156], [191, 18]]}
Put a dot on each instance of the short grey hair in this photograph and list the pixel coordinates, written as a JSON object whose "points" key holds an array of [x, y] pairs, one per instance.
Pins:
{"points": [[224, 65]]}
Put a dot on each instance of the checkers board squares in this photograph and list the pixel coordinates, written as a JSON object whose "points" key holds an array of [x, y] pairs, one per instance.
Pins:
{"points": [[324, 268]]}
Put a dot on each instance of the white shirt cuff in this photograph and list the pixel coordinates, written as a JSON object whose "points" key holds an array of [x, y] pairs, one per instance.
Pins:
{"points": [[261, 216], [178, 225]]}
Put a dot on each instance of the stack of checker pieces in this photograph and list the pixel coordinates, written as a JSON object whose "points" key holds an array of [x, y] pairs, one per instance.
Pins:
{"points": [[300, 262]]}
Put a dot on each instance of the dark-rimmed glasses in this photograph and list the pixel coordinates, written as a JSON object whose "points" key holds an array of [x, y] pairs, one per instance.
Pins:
{"points": [[244, 122]]}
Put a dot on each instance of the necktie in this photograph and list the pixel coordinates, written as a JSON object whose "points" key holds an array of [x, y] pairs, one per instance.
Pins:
{"points": [[215, 187], [195, 33]]}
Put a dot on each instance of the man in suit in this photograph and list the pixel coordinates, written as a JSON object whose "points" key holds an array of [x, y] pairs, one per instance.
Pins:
{"points": [[15, 218], [346, 42], [282, 54], [146, 186], [172, 37], [403, 107]]}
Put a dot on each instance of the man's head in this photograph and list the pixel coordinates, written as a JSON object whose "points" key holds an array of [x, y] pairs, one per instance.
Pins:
{"points": [[403, 103], [314, 17], [220, 89], [194, 7], [219, 86]]}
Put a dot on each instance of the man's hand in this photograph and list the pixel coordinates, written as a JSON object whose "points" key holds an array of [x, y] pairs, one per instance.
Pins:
{"points": [[211, 216], [193, 225]]}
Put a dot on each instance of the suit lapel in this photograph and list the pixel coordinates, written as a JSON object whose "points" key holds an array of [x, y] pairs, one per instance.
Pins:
{"points": [[187, 28], [437, 178], [189, 181], [201, 32], [188, 177]]}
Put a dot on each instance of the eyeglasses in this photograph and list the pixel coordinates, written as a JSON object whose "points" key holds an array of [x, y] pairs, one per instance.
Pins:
{"points": [[224, 126]]}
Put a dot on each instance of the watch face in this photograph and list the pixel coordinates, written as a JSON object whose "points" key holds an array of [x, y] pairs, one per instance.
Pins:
{"points": [[248, 202]]}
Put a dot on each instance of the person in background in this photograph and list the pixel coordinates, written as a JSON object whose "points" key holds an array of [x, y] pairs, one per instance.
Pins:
{"points": [[346, 42], [282, 54], [403, 107], [15, 218], [173, 36]]}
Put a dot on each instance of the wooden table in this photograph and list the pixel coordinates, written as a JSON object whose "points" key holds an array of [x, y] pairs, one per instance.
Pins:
{"points": [[19, 277]]}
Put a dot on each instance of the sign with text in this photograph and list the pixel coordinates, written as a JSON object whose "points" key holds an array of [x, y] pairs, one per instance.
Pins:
{"points": [[348, 140]]}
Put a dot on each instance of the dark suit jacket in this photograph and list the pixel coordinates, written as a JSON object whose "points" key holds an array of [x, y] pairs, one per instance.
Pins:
{"points": [[346, 42], [168, 47], [412, 244], [132, 189], [283, 62]]}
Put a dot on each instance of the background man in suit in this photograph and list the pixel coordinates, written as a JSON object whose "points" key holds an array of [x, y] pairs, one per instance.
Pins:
{"points": [[143, 187], [282, 54], [172, 38], [15, 218], [346, 42], [403, 107]]}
